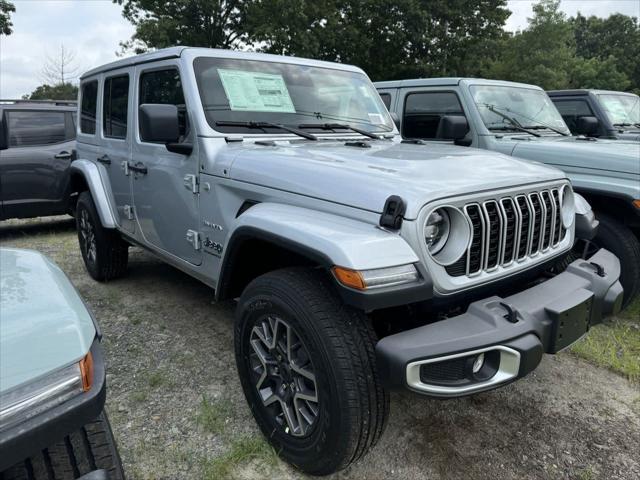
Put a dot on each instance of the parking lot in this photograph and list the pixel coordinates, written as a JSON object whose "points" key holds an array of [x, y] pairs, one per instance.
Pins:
{"points": [[178, 411]]}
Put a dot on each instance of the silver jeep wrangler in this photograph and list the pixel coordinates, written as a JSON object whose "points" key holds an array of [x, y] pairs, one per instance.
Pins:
{"points": [[361, 263]]}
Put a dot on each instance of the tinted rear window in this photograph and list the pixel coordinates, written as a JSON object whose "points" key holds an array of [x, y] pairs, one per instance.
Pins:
{"points": [[89, 107], [114, 106], [34, 128]]}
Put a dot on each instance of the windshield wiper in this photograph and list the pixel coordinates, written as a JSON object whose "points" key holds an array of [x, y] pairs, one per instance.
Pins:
{"points": [[545, 127], [339, 126], [263, 125], [515, 124]]}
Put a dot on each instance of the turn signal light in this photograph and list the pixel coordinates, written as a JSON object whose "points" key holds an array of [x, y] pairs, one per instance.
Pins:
{"points": [[349, 278], [636, 203], [86, 372]]}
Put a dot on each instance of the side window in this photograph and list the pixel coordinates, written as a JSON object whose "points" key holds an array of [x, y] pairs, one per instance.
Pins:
{"points": [[88, 107], [35, 128], [165, 87], [423, 111], [571, 110], [115, 107], [386, 99]]}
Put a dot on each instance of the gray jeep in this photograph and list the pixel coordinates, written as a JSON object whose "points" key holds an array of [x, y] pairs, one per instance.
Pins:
{"points": [[37, 146], [599, 113], [361, 264], [521, 120]]}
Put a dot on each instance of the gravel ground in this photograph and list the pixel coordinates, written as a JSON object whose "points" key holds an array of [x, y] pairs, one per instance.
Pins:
{"points": [[178, 411]]}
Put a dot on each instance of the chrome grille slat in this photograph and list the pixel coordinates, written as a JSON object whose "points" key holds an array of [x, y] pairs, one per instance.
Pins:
{"points": [[510, 229]]}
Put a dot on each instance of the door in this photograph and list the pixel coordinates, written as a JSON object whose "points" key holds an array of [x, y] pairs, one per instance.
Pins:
{"points": [[34, 168], [166, 206], [116, 141]]}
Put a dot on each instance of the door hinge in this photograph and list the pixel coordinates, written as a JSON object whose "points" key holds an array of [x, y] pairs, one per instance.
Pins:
{"points": [[191, 183], [128, 212], [193, 238], [125, 167]]}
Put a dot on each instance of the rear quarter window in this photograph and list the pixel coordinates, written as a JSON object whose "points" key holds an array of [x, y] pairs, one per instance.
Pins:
{"points": [[89, 107]]}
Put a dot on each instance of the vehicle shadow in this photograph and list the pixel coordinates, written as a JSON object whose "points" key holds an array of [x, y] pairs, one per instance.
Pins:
{"points": [[10, 229]]}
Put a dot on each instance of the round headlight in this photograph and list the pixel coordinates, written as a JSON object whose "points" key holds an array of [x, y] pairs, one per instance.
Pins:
{"points": [[447, 234], [568, 206], [436, 230]]}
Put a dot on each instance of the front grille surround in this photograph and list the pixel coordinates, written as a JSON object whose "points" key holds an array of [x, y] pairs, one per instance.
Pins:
{"points": [[512, 230]]}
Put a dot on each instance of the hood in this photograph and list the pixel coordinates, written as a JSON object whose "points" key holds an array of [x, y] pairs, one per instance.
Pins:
{"points": [[612, 155], [44, 325], [365, 177]]}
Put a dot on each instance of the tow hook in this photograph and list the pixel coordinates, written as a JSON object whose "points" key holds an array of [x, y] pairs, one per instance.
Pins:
{"points": [[599, 269], [511, 315]]}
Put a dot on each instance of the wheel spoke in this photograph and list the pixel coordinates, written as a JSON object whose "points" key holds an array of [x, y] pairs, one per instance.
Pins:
{"points": [[286, 381]]}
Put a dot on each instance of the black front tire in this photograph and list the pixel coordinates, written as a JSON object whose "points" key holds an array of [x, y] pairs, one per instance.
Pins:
{"points": [[621, 241], [90, 448], [104, 252], [352, 406]]}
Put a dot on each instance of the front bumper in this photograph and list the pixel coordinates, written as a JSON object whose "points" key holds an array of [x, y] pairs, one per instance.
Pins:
{"points": [[24, 439], [511, 333]]}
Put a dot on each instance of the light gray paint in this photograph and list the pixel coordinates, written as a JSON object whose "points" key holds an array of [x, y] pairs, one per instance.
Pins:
{"points": [[608, 166], [324, 195]]}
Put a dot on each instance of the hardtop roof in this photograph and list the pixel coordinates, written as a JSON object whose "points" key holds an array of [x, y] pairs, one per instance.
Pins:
{"points": [[449, 81], [585, 91], [177, 52]]}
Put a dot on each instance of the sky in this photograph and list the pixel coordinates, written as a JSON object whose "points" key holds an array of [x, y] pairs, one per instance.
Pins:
{"points": [[93, 29]]}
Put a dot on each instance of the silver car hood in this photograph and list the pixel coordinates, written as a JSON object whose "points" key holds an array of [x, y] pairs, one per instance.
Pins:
{"points": [[44, 324], [612, 155], [365, 177]]}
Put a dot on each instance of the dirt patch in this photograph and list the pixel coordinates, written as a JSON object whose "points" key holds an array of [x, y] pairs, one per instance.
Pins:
{"points": [[178, 411]]}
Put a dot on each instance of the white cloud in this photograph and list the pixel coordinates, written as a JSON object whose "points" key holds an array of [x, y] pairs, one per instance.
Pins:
{"points": [[94, 28], [90, 28], [521, 9]]}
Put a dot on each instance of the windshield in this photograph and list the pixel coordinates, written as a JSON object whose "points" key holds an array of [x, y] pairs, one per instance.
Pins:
{"points": [[501, 106], [621, 109], [238, 90]]}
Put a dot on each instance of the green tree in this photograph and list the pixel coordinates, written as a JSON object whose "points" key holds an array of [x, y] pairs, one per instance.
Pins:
{"points": [[545, 54], [198, 23], [62, 91], [387, 38], [6, 9], [614, 40]]}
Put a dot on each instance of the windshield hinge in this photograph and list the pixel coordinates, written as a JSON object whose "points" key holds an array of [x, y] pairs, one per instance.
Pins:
{"points": [[191, 183], [393, 212], [193, 238]]}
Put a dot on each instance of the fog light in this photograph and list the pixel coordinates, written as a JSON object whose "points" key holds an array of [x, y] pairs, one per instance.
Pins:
{"points": [[478, 363]]}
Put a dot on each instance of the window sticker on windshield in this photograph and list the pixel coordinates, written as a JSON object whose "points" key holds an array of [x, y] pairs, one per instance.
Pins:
{"points": [[256, 91]]}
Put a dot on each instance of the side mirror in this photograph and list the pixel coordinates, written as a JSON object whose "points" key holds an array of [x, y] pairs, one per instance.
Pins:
{"points": [[396, 119], [159, 123], [586, 125], [452, 127]]}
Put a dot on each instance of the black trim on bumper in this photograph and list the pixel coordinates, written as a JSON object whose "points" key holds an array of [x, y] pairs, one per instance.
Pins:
{"points": [[37, 433], [580, 290]]}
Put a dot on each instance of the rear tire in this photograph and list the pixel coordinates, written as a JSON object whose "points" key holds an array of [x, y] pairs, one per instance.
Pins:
{"points": [[334, 344], [104, 252], [621, 241], [90, 448]]}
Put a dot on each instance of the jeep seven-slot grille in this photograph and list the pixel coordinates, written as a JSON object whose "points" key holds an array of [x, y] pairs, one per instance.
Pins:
{"points": [[510, 229]]}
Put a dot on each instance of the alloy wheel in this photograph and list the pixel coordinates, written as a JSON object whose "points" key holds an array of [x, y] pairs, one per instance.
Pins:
{"points": [[88, 236], [284, 375]]}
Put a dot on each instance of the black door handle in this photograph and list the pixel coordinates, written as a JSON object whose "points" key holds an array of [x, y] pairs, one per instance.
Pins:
{"points": [[138, 168], [64, 154], [105, 159]]}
